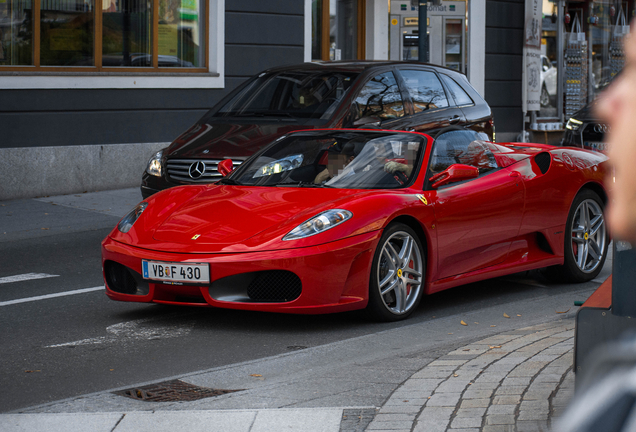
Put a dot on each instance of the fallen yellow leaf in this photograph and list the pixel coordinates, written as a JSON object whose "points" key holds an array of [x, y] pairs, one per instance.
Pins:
{"points": [[455, 375], [493, 326], [463, 323], [564, 311], [256, 375], [518, 314], [506, 315], [450, 333]]}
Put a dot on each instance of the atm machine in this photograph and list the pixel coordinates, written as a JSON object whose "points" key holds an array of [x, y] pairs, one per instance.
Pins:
{"points": [[446, 33]]}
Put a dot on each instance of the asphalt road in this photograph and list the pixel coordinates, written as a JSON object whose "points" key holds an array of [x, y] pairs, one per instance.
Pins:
{"points": [[55, 347]]}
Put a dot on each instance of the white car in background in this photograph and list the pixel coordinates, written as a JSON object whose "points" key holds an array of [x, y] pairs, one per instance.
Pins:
{"points": [[548, 79]]}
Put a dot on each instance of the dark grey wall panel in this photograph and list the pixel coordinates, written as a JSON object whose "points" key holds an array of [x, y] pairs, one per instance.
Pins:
{"points": [[86, 100], [504, 62], [503, 67], [107, 127], [248, 60], [504, 93], [505, 14], [293, 7], [508, 119], [251, 28], [504, 41]]}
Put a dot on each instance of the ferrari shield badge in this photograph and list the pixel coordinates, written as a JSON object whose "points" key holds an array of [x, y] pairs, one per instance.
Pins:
{"points": [[196, 236], [423, 199]]}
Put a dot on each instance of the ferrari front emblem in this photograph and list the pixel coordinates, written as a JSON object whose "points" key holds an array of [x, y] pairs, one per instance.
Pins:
{"points": [[196, 236], [423, 199], [399, 273]]}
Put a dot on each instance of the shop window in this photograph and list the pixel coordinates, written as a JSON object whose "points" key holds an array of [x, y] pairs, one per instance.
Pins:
{"points": [[103, 34], [337, 29], [425, 89]]}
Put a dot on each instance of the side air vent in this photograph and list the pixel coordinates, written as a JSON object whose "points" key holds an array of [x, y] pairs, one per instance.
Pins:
{"points": [[543, 161]]}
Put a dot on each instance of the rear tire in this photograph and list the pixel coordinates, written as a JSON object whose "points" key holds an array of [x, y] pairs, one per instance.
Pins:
{"points": [[586, 240], [397, 274]]}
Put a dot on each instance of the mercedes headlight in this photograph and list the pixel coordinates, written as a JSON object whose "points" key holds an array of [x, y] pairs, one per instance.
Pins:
{"points": [[154, 164], [286, 164], [573, 124], [320, 223], [127, 222]]}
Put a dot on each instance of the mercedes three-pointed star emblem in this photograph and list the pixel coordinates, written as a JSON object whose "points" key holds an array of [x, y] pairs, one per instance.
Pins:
{"points": [[196, 170]]}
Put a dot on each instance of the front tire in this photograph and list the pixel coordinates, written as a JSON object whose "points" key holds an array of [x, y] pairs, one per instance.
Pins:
{"points": [[586, 240], [397, 274]]}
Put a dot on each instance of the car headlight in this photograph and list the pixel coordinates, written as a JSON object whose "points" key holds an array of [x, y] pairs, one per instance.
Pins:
{"points": [[127, 222], [573, 124], [154, 164], [286, 164], [320, 223]]}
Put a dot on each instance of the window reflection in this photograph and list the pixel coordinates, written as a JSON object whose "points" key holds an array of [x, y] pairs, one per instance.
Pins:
{"points": [[66, 33], [16, 35], [381, 98], [181, 33], [127, 33], [425, 89]]}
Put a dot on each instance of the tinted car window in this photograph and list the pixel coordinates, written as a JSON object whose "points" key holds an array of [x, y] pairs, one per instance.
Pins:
{"points": [[425, 89], [462, 147], [290, 94], [380, 97], [338, 159], [458, 93]]}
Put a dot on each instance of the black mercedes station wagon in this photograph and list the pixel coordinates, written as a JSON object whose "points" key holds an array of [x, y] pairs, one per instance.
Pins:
{"points": [[357, 94]]}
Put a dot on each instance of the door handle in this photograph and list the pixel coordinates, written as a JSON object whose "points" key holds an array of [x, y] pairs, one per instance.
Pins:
{"points": [[515, 174], [454, 119]]}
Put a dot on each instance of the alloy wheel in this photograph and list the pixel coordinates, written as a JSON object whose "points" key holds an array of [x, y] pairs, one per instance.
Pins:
{"points": [[588, 236], [400, 272]]}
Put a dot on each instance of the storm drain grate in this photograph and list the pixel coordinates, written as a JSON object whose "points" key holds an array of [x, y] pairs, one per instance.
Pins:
{"points": [[171, 391]]}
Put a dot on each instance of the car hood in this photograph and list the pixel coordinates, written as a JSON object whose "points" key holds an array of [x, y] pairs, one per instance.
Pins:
{"points": [[229, 219], [213, 140]]}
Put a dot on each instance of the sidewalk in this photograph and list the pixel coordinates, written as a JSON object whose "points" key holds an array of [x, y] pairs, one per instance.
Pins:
{"points": [[517, 380]]}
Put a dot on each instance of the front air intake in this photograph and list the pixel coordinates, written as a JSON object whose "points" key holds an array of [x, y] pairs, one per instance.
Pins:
{"points": [[275, 286], [543, 161], [123, 280]]}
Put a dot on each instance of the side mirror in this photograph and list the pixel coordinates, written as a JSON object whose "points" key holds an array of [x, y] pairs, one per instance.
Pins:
{"points": [[225, 167], [545, 68], [454, 173], [371, 121]]}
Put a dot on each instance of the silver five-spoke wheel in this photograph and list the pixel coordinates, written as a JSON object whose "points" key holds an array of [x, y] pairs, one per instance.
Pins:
{"points": [[397, 274], [586, 240], [588, 233]]}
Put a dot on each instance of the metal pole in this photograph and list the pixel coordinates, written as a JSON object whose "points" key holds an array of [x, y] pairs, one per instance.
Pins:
{"points": [[422, 51]]}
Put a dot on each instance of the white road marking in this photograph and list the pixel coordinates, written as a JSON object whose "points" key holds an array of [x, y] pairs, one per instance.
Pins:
{"points": [[48, 296], [133, 330], [25, 277]]}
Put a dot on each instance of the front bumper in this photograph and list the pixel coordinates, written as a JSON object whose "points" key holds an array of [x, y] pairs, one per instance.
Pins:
{"points": [[334, 276]]}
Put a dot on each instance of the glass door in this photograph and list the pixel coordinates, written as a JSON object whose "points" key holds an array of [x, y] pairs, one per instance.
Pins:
{"points": [[453, 47]]}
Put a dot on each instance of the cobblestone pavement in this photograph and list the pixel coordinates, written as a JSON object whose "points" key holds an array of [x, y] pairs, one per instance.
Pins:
{"points": [[515, 381]]}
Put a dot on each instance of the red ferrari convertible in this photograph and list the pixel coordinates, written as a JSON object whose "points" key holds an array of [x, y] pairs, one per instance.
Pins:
{"points": [[334, 220]]}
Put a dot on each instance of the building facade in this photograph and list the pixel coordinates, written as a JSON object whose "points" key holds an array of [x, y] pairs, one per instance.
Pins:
{"points": [[91, 88]]}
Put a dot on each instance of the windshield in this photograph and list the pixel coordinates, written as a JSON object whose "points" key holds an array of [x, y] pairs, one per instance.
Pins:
{"points": [[339, 159], [301, 94]]}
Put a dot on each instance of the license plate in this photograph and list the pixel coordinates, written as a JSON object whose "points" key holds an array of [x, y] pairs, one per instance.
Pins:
{"points": [[598, 146], [177, 273]]}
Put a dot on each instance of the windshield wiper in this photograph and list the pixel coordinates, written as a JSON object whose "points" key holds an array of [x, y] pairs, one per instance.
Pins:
{"points": [[229, 181]]}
